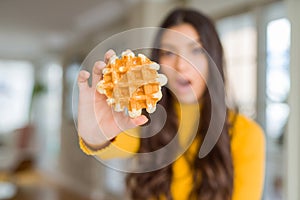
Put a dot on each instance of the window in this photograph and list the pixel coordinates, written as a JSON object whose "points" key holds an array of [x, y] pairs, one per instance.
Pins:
{"points": [[266, 87], [278, 79], [16, 84], [238, 36]]}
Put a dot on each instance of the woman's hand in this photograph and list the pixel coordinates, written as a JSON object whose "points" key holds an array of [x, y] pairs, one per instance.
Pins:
{"points": [[97, 122]]}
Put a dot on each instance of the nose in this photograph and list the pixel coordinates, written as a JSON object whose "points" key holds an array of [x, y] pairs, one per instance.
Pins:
{"points": [[181, 63]]}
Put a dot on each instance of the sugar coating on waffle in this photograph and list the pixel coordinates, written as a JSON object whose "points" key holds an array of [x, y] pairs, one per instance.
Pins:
{"points": [[132, 83]]}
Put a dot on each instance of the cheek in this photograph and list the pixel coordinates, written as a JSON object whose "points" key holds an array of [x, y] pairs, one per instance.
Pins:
{"points": [[166, 63], [200, 76], [200, 70], [169, 72], [166, 66]]}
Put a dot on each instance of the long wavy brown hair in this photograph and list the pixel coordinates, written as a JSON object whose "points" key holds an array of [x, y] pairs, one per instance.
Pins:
{"points": [[213, 174]]}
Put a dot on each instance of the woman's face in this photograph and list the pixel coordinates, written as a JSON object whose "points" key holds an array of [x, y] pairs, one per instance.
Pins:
{"points": [[184, 61]]}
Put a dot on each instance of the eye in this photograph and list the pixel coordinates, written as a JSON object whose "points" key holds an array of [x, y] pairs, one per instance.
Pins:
{"points": [[198, 50], [166, 53]]}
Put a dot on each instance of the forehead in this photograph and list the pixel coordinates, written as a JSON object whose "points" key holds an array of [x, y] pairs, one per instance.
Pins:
{"points": [[180, 34]]}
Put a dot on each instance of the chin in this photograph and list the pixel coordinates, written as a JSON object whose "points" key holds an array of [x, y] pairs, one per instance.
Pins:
{"points": [[186, 99]]}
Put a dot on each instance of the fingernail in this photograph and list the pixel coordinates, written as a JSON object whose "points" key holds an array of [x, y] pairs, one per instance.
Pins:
{"points": [[110, 51], [99, 65], [141, 120], [146, 115], [83, 75]]}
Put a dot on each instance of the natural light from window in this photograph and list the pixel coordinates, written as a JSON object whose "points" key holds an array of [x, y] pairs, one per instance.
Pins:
{"points": [[16, 83], [238, 36], [278, 79]]}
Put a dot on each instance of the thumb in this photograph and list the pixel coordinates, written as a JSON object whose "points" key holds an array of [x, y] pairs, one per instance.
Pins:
{"points": [[140, 120], [124, 123]]}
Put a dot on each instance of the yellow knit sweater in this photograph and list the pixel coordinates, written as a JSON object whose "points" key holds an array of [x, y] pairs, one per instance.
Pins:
{"points": [[248, 154]]}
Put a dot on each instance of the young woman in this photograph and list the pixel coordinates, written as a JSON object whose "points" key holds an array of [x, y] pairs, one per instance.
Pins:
{"points": [[233, 169]]}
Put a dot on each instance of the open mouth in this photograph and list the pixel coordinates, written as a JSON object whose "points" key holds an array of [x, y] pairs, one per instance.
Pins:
{"points": [[183, 82], [183, 85]]}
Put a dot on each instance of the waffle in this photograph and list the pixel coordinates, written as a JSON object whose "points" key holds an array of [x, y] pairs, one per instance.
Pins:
{"points": [[131, 83]]}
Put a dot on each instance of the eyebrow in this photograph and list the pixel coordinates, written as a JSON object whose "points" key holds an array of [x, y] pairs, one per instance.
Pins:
{"points": [[197, 42], [167, 46], [171, 46]]}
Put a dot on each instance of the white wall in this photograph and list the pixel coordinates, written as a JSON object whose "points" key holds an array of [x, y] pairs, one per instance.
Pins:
{"points": [[293, 136]]}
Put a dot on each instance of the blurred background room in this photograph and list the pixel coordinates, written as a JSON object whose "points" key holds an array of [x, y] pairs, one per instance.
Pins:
{"points": [[42, 45]]}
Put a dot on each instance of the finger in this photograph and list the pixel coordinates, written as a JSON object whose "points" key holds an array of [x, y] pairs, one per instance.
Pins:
{"points": [[140, 120], [97, 72], [146, 114], [109, 54], [125, 122], [82, 79]]}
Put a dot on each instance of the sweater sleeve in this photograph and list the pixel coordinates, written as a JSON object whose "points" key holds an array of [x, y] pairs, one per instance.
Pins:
{"points": [[248, 154], [126, 144]]}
